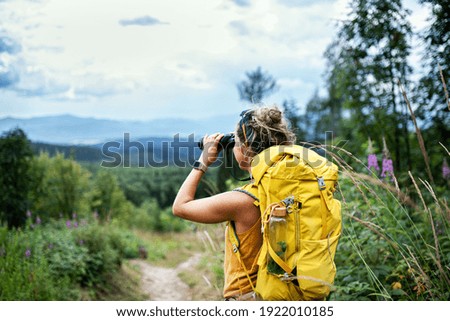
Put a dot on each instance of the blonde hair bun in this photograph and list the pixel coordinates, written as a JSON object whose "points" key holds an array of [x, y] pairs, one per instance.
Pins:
{"points": [[270, 116], [265, 127]]}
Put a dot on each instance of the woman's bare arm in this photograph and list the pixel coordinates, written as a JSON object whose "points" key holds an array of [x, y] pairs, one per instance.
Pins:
{"points": [[218, 208]]}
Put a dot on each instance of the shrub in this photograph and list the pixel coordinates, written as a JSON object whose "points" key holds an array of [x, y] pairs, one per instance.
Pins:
{"points": [[63, 187], [107, 199], [149, 216], [25, 272], [57, 260]]}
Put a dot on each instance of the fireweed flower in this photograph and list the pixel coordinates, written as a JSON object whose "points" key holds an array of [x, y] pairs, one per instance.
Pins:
{"points": [[372, 161], [387, 168], [28, 213], [75, 224], [28, 253], [38, 220], [445, 170], [68, 224], [387, 165]]}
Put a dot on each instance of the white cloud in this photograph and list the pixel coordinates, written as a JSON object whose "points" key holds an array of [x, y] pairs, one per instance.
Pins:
{"points": [[164, 59], [241, 3], [186, 75], [142, 21]]}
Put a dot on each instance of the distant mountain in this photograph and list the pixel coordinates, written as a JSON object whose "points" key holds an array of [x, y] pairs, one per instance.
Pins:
{"points": [[150, 151], [70, 130]]}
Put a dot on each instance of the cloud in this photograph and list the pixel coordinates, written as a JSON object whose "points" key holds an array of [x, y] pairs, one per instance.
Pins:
{"points": [[37, 81], [142, 21], [303, 3], [240, 27], [189, 76], [242, 3], [9, 45], [9, 74]]}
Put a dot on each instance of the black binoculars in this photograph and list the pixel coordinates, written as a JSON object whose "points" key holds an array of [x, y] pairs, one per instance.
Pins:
{"points": [[225, 143]]}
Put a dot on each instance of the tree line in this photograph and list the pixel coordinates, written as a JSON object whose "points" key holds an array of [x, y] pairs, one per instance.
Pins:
{"points": [[370, 91]]}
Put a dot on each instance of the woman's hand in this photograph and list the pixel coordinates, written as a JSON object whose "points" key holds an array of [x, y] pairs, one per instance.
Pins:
{"points": [[211, 149]]}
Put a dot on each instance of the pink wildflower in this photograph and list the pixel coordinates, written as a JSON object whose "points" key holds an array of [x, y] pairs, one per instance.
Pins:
{"points": [[387, 164], [373, 162], [445, 170]]}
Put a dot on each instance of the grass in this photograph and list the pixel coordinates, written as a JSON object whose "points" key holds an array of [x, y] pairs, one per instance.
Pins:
{"points": [[168, 249], [123, 285], [395, 244]]}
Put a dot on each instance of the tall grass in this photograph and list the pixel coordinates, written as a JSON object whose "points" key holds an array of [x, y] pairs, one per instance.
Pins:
{"points": [[396, 239]]}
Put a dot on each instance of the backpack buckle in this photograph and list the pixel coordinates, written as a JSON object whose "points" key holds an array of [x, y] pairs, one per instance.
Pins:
{"points": [[288, 200], [321, 182], [287, 277]]}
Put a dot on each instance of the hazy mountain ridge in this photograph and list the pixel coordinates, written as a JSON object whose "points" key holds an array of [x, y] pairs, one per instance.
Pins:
{"points": [[70, 130]]}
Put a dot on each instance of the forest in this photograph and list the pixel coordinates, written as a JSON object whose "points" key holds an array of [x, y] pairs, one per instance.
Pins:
{"points": [[68, 225]]}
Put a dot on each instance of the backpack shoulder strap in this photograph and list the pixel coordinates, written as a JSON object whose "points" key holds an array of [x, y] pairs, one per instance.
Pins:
{"points": [[232, 235], [250, 190]]}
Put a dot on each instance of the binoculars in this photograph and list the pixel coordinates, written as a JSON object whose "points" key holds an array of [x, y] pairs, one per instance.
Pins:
{"points": [[225, 143]]}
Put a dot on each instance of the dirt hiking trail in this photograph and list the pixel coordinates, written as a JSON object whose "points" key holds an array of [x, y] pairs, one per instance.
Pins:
{"points": [[163, 284]]}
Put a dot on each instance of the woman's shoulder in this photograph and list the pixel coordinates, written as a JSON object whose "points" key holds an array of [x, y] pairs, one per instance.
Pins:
{"points": [[251, 190]]}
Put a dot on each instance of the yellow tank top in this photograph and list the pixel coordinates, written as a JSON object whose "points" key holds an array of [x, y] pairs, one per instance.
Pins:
{"points": [[236, 281]]}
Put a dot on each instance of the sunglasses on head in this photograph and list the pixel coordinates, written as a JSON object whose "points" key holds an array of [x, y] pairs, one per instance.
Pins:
{"points": [[245, 117]]}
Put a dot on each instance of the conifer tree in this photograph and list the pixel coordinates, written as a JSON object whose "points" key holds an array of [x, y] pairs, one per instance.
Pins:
{"points": [[433, 106], [257, 86], [366, 61], [15, 179]]}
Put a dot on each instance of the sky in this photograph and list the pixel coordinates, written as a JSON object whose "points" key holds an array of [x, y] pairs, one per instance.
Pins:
{"points": [[151, 59]]}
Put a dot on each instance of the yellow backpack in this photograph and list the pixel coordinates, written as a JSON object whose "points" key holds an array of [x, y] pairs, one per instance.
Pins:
{"points": [[296, 185]]}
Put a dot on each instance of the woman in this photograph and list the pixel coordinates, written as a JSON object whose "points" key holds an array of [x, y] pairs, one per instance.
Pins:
{"points": [[258, 129]]}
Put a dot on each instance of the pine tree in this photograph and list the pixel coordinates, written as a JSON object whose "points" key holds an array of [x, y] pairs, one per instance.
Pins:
{"points": [[257, 86], [433, 108], [15, 177], [366, 61]]}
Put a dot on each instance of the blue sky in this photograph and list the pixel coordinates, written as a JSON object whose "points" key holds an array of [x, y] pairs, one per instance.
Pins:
{"points": [[140, 59]]}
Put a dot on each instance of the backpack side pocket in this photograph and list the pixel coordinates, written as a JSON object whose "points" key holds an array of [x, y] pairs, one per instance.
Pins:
{"points": [[315, 267]]}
